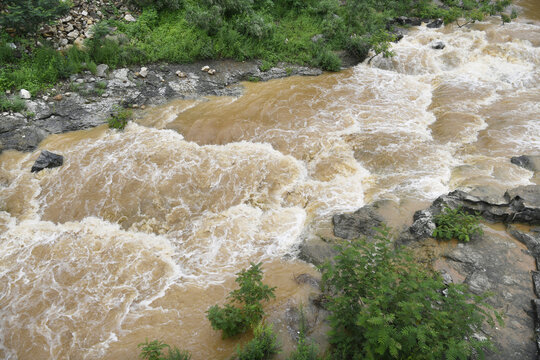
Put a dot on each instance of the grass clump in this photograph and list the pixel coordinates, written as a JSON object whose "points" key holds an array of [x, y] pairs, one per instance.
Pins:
{"points": [[154, 351], [304, 350], [246, 310], [456, 223], [119, 118], [384, 305], [263, 346], [15, 104]]}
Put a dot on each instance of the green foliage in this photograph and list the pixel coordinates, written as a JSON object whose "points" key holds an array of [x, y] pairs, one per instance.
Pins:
{"points": [[456, 223], [262, 347], [304, 350], [328, 60], [158, 4], [154, 351], [28, 15], [119, 118], [384, 305], [15, 104], [246, 309]]}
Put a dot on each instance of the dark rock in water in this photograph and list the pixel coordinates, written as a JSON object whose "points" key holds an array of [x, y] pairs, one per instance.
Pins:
{"points": [[47, 159], [529, 162], [358, 224], [524, 202], [316, 251], [438, 45], [437, 23]]}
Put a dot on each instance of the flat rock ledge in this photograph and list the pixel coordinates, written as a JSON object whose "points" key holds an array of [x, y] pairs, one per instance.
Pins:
{"points": [[87, 99]]}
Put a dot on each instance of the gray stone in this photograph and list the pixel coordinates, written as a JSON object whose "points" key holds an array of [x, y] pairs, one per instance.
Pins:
{"points": [[529, 162], [358, 224], [532, 242], [25, 94], [47, 159], [129, 18], [317, 38], [101, 70], [437, 23], [73, 34], [316, 251], [536, 282], [121, 74], [143, 72]]}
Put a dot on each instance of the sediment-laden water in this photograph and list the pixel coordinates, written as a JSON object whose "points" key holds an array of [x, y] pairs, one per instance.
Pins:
{"points": [[141, 231]]}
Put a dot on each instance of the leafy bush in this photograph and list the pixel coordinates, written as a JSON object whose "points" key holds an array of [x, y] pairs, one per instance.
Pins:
{"points": [[119, 119], [263, 346], [15, 104], [233, 320], [154, 351], [158, 4], [28, 15], [455, 223], [384, 305], [328, 60], [304, 350]]}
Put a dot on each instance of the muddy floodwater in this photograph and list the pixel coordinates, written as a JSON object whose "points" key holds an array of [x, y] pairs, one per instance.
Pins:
{"points": [[140, 231]]}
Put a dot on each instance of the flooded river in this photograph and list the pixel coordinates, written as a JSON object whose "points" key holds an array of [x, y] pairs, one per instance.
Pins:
{"points": [[140, 231]]}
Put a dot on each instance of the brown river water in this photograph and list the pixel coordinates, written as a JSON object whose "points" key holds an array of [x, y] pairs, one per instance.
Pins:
{"points": [[141, 231]]}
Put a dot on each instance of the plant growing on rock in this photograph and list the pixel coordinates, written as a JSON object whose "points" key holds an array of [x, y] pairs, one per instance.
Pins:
{"points": [[263, 346], [384, 305], [456, 223], [246, 309], [119, 118]]}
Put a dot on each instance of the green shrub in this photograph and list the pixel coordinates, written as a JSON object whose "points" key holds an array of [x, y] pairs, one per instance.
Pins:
{"points": [[158, 4], [154, 351], [263, 346], [15, 104], [456, 223], [248, 312], [28, 15], [328, 60], [119, 119], [304, 350], [384, 305]]}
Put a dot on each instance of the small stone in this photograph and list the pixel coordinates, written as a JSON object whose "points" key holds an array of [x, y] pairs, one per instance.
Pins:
{"points": [[47, 160], [8, 92], [67, 94], [101, 70], [79, 43], [25, 94], [438, 45], [84, 13], [212, 71], [45, 98], [69, 28], [143, 107], [205, 68], [129, 18], [181, 74], [64, 42], [79, 81], [144, 72], [135, 106], [67, 19], [105, 95], [73, 35], [12, 45], [91, 80], [435, 24]]}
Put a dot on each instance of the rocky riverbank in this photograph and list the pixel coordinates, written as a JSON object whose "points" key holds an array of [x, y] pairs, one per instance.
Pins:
{"points": [[503, 261], [87, 100]]}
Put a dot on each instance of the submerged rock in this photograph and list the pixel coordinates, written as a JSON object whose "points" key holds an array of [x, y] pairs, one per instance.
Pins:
{"points": [[47, 159], [437, 23], [529, 162], [438, 45]]}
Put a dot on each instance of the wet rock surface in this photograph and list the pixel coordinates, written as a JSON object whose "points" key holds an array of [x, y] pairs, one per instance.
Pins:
{"points": [[87, 100], [47, 159], [529, 162], [358, 224]]}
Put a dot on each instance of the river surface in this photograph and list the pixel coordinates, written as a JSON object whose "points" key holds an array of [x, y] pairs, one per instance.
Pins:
{"points": [[140, 231]]}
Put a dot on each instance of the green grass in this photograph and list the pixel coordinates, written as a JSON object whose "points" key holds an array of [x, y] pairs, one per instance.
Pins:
{"points": [[15, 104], [271, 30]]}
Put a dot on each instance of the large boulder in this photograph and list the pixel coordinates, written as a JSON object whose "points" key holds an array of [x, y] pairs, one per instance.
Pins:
{"points": [[359, 224], [47, 159]]}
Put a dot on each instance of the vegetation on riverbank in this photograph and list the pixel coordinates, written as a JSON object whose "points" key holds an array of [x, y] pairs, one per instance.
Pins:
{"points": [[309, 32]]}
